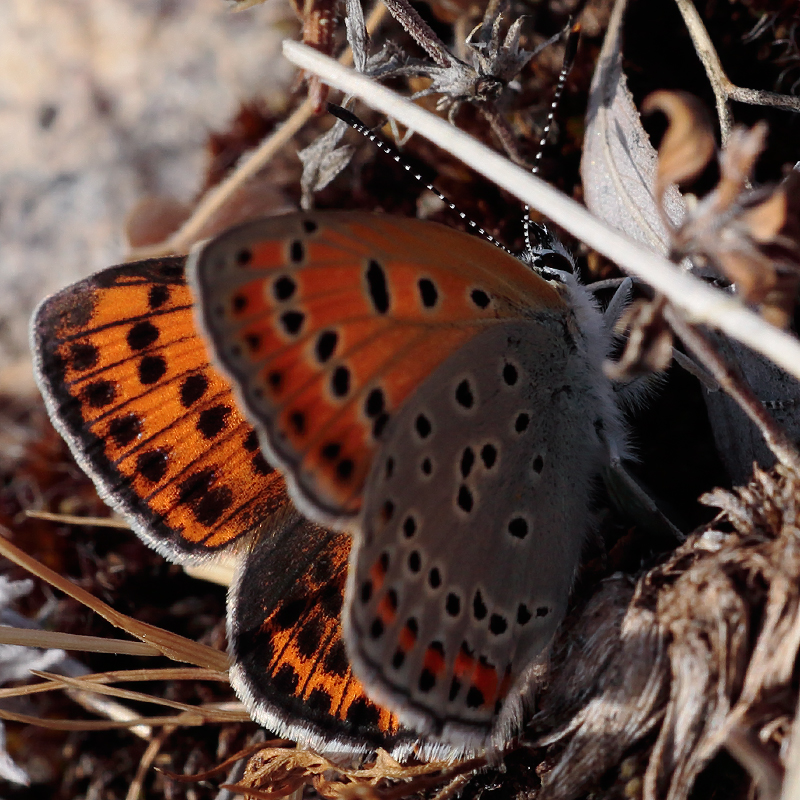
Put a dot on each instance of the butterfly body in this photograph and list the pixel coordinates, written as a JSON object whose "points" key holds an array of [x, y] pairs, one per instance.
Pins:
{"points": [[432, 401]]}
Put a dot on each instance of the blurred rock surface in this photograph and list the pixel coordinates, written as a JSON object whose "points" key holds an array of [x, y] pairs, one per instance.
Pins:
{"points": [[101, 103]]}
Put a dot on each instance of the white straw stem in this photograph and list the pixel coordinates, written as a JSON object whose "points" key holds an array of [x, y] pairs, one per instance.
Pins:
{"points": [[699, 302]]}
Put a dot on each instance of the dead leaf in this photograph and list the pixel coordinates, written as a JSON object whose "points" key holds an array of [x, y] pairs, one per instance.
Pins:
{"points": [[619, 166], [688, 144]]}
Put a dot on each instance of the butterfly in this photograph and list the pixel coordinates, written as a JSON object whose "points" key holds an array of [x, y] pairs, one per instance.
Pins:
{"points": [[438, 411]]}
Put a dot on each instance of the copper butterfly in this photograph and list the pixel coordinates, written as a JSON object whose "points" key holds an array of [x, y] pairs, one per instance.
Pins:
{"points": [[439, 412]]}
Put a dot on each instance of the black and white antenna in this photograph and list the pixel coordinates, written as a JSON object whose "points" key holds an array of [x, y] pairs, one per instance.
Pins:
{"points": [[570, 51], [354, 122], [546, 242]]}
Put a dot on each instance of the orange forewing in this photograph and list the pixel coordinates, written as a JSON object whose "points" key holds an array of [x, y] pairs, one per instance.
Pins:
{"points": [[329, 322], [127, 381]]}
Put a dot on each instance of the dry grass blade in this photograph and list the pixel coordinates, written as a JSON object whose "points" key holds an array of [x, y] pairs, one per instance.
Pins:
{"points": [[220, 715], [175, 647], [72, 519], [146, 761], [31, 637], [223, 765], [195, 718]]}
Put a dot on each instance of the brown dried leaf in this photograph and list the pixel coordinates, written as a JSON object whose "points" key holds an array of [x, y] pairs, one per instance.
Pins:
{"points": [[649, 345], [751, 236], [688, 144], [278, 771], [618, 165]]}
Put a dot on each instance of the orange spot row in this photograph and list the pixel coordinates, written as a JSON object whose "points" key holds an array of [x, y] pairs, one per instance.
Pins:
{"points": [[387, 609], [434, 659], [407, 638], [377, 573], [478, 673]]}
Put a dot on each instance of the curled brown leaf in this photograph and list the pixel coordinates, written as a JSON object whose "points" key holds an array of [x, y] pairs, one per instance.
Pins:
{"points": [[649, 345], [688, 144], [750, 236]]}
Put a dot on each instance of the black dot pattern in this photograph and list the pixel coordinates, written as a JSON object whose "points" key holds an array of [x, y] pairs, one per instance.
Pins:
{"points": [[259, 465], [427, 680], [331, 451], [292, 322], [239, 303], [467, 462], [152, 464], [377, 287], [479, 610], [366, 591], [344, 469], [99, 393], [213, 421], [142, 335], [465, 500], [428, 293], [452, 604], [152, 369], [479, 298], [518, 527], [497, 624], [192, 389], [340, 382], [464, 395], [125, 430], [326, 345], [83, 356], [206, 500], [157, 296], [375, 403], [475, 698], [423, 427], [284, 288]]}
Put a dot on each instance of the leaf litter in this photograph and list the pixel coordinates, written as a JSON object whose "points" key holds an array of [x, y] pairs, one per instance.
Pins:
{"points": [[655, 673]]}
